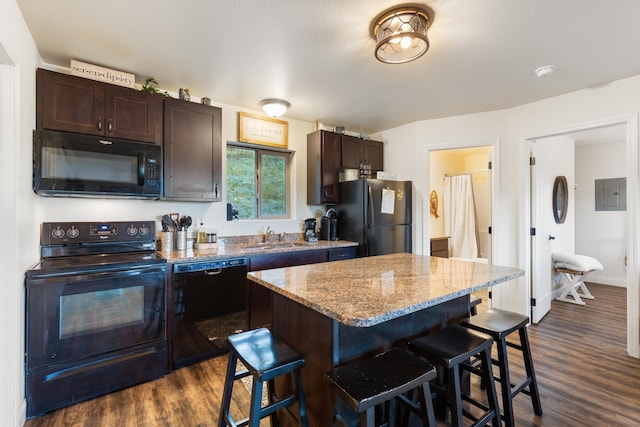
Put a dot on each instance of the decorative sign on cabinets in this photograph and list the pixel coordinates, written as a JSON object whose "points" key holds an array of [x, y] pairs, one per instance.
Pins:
{"points": [[101, 74], [262, 130]]}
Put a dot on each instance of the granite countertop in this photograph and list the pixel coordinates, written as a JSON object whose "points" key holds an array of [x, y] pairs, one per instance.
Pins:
{"points": [[364, 292], [244, 249]]}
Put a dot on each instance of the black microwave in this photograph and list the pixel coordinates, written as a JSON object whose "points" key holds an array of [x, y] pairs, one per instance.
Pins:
{"points": [[71, 164]]}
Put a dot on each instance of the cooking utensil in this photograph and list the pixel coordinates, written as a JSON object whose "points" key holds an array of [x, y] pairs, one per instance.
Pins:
{"points": [[167, 222], [185, 223], [175, 217]]}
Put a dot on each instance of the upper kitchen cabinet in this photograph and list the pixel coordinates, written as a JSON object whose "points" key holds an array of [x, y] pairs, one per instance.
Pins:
{"points": [[192, 151], [356, 151], [75, 104], [323, 167]]}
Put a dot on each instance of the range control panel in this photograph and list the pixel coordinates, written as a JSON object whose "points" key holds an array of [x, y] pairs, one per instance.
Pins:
{"points": [[54, 233]]}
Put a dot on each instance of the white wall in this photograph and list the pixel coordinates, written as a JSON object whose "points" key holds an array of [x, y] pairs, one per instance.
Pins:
{"points": [[20, 235], [601, 234], [562, 163], [616, 101]]}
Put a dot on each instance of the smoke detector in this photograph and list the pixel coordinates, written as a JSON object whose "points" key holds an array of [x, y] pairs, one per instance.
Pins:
{"points": [[545, 70]]}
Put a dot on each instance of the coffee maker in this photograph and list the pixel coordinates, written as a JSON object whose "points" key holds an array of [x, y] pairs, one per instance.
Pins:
{"points": [[329, 225], [310, 234]]}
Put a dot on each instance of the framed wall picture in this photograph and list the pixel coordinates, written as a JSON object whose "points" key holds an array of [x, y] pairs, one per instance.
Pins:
{"points": [[262, 130]]}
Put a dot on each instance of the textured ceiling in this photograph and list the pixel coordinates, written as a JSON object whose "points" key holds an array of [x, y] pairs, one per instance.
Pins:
{"points": [[318, 54]]}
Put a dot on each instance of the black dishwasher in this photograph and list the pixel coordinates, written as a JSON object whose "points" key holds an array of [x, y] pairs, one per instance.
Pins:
{"points": [[210, 303]]}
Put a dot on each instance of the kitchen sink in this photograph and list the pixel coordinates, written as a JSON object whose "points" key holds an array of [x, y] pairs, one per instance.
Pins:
{"points": [[275, 245]]}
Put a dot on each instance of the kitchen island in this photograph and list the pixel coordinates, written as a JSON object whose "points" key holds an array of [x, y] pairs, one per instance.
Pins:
{"points": [[335, 313]]}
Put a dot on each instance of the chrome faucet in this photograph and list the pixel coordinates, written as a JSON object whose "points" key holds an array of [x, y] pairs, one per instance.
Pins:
{"points": [[267, 233], [283, 236]]}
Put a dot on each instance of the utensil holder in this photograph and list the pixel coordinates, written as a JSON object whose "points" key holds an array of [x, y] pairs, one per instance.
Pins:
{"points": [[166, 241], [181, 240]]}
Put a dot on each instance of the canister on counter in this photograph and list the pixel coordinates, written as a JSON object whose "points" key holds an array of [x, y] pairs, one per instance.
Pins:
{"points": [[166, 241]]}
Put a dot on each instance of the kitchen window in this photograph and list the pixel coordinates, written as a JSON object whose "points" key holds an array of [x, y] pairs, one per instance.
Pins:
{"points": [[258, 181]]}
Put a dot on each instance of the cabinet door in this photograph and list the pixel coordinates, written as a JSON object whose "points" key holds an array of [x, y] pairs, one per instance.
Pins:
{"points": [[352, 154], [132, 114], [69, 103], [374, 154], [330, 160], [192, 151], [323, 167]]}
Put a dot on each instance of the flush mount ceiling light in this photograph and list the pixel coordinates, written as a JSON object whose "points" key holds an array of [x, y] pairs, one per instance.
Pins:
{"points": [[274, 107], [401, 33]]}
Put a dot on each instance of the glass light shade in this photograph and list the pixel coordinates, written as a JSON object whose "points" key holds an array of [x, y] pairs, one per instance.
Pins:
{"points": [[274, 107], [401, 34]]}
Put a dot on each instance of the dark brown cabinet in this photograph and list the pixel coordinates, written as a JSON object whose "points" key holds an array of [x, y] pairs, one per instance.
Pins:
{"points": [[327, 154], [192, 151], [440, 247], [75, 104], [356, 151], [323, 167]]}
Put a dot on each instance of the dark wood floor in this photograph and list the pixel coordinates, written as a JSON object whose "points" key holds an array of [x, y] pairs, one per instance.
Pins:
{"points": [[584, 375]]}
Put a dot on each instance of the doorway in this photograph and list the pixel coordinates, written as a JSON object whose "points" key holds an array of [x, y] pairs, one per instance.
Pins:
{"points": [[592, 144], [475, 165]]}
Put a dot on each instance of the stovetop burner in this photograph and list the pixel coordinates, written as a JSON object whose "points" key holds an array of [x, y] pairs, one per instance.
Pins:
{"points": [[86, 247], [93, 263]]}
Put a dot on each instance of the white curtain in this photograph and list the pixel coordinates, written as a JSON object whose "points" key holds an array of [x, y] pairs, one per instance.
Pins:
{"points": [[460, 216]]}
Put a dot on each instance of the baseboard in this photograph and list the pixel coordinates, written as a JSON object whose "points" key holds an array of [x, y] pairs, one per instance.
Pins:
{"points": [[606, 280]]}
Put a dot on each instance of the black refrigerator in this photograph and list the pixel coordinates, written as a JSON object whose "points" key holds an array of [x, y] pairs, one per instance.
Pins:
{"points": [[376, 214]]}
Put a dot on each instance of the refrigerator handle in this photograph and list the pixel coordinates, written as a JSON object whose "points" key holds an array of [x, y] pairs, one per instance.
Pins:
{"points": [[370, 241], [370, 203]]}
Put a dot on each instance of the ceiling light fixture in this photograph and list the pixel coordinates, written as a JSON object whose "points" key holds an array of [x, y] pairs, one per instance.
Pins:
{"points": [[274, 107], [401, 33]]}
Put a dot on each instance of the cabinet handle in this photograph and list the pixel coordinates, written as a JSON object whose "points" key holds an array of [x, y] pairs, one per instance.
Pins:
{"points": [[100, 123], [109, 126]]}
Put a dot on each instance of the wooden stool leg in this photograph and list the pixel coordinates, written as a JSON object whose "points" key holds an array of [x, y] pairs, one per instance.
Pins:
{"points": [[256, 403], [304, 421], [487, 376], [505, 382], [271, 388], [528, 364], [228, 389], [426, 406], [368, 418], [454, 392]]}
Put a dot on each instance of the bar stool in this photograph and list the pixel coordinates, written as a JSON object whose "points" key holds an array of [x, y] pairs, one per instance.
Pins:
{"points": [[474, 302], [499, 324], [367, 384], [451, 349], [265, 358]]}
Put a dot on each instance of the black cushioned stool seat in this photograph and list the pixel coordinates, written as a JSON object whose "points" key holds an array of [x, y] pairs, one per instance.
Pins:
{"points": [[365, 384], [451, 349], [499, 324], [265, 359]]}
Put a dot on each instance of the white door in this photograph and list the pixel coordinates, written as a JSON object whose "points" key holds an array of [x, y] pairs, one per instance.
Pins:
{"points": [[541, 217]]}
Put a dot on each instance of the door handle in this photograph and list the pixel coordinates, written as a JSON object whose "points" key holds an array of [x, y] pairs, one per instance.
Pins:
{"points": [[552, 237]]}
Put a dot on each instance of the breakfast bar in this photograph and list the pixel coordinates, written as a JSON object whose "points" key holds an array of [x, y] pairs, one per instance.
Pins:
{"points": [[339, 312]]}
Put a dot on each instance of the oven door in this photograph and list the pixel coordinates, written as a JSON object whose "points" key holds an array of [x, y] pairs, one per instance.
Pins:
{"points": [[71, 317]]}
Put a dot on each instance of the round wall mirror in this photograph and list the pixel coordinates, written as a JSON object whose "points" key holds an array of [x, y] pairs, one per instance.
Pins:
{"points": [[560, 199]]}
